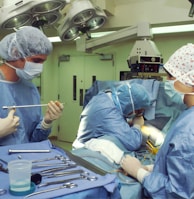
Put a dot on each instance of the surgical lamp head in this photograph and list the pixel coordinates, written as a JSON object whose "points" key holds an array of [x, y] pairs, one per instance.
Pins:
{"points": [[27, 41], [15, 14], [81, 17]]}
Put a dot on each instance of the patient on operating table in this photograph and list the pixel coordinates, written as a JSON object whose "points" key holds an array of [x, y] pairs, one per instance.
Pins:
{"points": [[113, 118]]}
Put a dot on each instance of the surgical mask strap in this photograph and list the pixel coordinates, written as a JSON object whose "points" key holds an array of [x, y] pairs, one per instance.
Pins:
{"points": [[114, 95], [10, 66], [132, 102]]}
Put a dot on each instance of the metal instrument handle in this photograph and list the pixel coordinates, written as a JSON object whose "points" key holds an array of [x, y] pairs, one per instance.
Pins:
{"points": [[67, 185], [59, 181]]}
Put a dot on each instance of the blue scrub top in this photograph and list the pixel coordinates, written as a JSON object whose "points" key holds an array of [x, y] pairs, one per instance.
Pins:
{"points": [[101, 117], [22, 93], [173, 172]]}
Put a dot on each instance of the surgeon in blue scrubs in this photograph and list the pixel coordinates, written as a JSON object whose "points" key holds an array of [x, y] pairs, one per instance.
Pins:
{"points": [[24, 53], [172, 174], [107, 116]]}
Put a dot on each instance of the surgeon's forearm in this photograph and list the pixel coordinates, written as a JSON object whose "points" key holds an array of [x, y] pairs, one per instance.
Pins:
{"points": [[40, 134]]}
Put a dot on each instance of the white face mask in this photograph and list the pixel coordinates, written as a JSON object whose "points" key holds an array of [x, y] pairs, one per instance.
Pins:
{"points": [[177, 79], [30, 70]]}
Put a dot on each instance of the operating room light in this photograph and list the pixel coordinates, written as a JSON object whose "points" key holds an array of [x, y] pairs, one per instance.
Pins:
{"points": [[47, 7], [71, 33], [95, 23], [17, 21], [17, 13], [81, 17]]}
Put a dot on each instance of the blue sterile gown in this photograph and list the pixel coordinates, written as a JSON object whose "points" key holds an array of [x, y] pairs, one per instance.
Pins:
{"points": [[22, 93], [173, 173], [101, 117]]}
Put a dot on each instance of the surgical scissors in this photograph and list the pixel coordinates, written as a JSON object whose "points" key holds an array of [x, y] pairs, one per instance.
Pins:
{"points": [[66, 185], [85, 175]]}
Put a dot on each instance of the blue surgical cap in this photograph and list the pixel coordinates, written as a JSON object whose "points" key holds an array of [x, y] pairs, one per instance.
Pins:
{"points": [[139, 95], [25, 42]]}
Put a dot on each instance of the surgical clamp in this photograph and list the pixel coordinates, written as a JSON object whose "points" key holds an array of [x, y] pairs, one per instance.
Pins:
{"points": [[66, 185], [46, 171], [64, 173], [84, 175]]}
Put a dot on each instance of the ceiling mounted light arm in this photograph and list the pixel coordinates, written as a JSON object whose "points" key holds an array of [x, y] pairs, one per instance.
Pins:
{"points": [[142, 30]]}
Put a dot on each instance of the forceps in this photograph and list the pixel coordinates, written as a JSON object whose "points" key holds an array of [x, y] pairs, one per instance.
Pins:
{"points": [[66, 185], [84, 175], [45, 172]]}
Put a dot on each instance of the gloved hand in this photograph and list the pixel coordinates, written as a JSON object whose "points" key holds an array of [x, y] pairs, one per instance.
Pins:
{"points": [[139, 120], [131, 165], [149, 167], [9, 124], [53, 112], [153, 134]]}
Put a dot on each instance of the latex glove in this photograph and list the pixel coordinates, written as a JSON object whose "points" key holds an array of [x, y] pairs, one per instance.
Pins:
{"points": [[131, 165], [53, 112], [9, 124], [149, 167], [138, 121], [153, 134]]}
